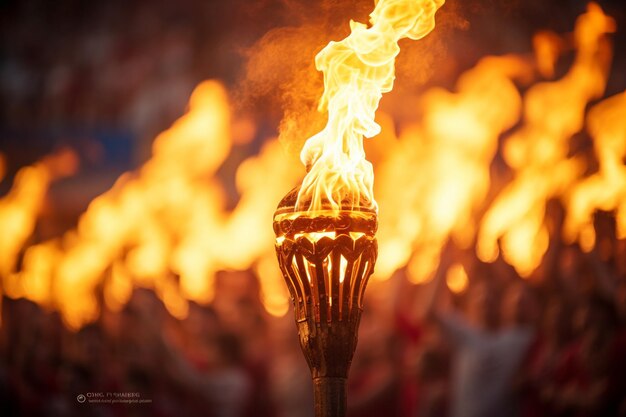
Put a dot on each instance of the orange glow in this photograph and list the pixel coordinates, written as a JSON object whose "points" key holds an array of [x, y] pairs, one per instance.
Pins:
{"points": [[20, 208], [163, 227], [606, 189], [538, 151], [273, 291], [167, 227], [357, 71], [436, 176], [456, 278]]}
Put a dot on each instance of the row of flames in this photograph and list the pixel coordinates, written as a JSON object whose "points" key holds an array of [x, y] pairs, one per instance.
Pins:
{"points": [[166, 226]]}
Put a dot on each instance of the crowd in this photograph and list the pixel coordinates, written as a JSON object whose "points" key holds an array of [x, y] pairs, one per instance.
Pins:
{"points": [[71, 70], [553, 344]]}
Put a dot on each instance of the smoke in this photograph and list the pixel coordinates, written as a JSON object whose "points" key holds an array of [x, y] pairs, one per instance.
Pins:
{"points": [[280, 71], [279, 82]]}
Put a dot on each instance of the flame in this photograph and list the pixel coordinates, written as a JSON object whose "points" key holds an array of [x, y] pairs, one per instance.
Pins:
{"points": [[453, 149], [538, 151], [606, 189], [357, 71], [456, 278], [163, 227], [274, 294], [21, 206]]}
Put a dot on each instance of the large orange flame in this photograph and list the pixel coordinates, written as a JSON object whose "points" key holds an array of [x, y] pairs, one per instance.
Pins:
{"points": [[164, 227], [357, 71], [606, 189], [538, 151], [20, 207], [453, 149]]}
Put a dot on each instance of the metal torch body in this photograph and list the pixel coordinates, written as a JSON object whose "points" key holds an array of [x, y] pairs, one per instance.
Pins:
{"points": [[326, 258]]}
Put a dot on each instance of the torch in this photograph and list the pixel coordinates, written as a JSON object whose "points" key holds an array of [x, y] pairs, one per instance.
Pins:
{"points": [[325, 229], [326, 260]]}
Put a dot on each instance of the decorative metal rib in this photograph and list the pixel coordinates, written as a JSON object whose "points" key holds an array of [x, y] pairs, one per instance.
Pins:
{"points": [[327, 276]]}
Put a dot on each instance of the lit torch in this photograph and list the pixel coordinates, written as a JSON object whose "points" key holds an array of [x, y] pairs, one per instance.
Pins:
{"points": [[325, 229], [326, 259]]}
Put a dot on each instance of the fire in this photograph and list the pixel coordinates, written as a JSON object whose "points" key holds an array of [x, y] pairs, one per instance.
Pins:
{"points": [[357, 71], [163, 227], [538, 151], [20, 208], [606, 189], [167, 226], [453, 149], [456, 278]]}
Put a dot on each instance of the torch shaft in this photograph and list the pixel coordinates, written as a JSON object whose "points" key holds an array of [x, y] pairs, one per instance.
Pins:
{"points": [[330, 398]]}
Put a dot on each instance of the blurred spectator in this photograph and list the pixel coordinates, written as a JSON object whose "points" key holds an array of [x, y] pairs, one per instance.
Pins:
{"points": [[546, 356], [591, 375], [231, 359], [291, 387], [373, 387], [486, 351]]}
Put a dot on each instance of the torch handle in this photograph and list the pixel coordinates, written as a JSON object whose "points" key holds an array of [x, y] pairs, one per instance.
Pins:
{"points": [[330, 398]]}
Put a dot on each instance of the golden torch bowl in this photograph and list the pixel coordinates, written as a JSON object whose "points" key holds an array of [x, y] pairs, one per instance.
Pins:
{"points": [[326, 258]]}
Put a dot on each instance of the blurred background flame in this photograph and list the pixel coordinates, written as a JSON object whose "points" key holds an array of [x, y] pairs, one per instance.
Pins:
{"points": [[167, 225]]}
